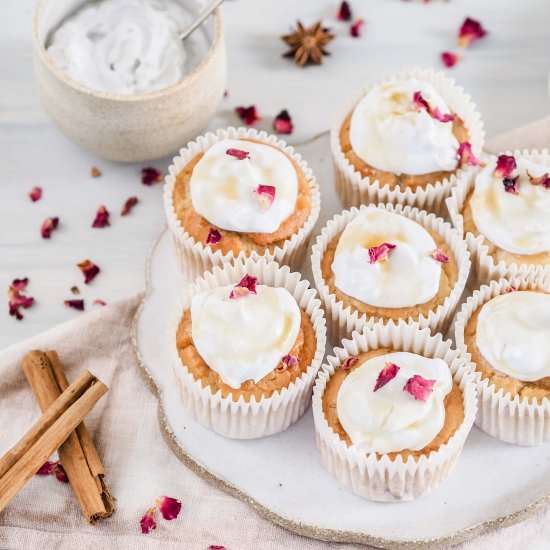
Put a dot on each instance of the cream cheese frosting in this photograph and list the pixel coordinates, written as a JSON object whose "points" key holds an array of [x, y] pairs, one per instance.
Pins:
{"points": [[244, 338], [223, 187], [409, 277], [513, 334], [127, 46], [390, 134], [518, 223], [391, 419]]}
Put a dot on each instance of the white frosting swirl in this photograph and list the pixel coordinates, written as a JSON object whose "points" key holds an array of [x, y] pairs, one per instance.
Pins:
{"points": [[391, 419], [517, 223], [409, 277], [127, 47], [513, 334], [388, 133], [244, 338], [223, 187]]}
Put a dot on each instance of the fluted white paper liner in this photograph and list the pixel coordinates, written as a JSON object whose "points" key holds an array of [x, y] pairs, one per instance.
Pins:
{"points": [[354, 190], [377, 477], [518, 420], [197, 257], [241, 419]]}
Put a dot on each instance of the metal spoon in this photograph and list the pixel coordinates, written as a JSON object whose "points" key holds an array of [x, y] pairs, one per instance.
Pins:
{"points": [[200, 19]]}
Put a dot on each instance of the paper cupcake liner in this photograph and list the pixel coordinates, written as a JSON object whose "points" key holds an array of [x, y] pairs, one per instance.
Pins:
{"points": [[241, 419], [196, 257], [342, 321], [354, 190], [379, 478], [516, 420], [484, 267]]}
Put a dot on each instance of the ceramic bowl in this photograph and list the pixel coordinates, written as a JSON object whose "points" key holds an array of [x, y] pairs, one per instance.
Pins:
{"points": [[128, 128]]}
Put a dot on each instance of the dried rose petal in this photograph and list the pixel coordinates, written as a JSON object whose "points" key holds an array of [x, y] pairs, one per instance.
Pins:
{"points": [[148, 522], [511, 289], [470, 31], [421, 104], [380, 253], [440, 256], [449, 59], [60, 474], [543, 180], [344, 12], [75, 304], [150, 175], [246, 286], [214, 236], [47, 468], [438, 115], [388, 373], [89, 270], [511, 185], [419, 387], [248, 115], [128, 205], [95, 172], [48, 226], [349, 362], [75, 290], [465, 154], [101, 217], [355, 29], [238, 154], [506, 164], [18, 300], [216, 547], [169, 507], [98, 302], [35, 194], [282, 123], [290, 360], [265, 195]]}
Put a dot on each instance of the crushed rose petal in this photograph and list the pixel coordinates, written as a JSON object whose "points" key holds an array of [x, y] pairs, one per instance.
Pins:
{"points": [[98, 302], [420, 104], [101, 217], [506, 164], [35, 194], [75, 290], [238, 154], [214, 236], [169, 507], [89, 270], [282, 123], [543, 180], [380, 253], [265, 195], [344, 12], [465, 154], [150, 175], [95, 172], [18, 300], [470, 31], [290, 360], [440, 256], [419, 387], [147, 522], [449, 59], [128, 205], [511, 289], [75, 304], [54, 468], [249, 115], [388, 373], [355, 29], [246, 286], [349, 362], [511, 185], [48, 226], [216, 547]]}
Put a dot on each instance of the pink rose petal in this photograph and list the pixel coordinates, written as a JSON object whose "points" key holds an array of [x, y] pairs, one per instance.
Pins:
{"points": [[150, 175], [543, 180], [101, 217], [214, 236], [265, 195], [465, 154], [440, 256], [246, 286], [35, 194], [349, 362], [511, 289], [16, 299], [420, 104], [470, 31], [147, 522], [48, 227], [380, 253], [344, 12], [98, 302], [89, 270], [449, 59], [355, 29], [511, 185], [506, 164], [282, 123], [442, 117], [248, 115], [169, 507], [388, 373], [289, 360], [216, 547], [128, 205], [419, 387], [238, 154]]}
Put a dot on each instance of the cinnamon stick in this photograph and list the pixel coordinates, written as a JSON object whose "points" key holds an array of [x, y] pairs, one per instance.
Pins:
{"points": [[77, 454], [22, 462]]}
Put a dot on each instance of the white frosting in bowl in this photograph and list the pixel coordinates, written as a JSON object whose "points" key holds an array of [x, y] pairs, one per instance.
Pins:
{"points": [[390, 134], [244, 338], [513, 334], [127, 46], [409, 276], [518, 223], [223, 187], [391, 419]]}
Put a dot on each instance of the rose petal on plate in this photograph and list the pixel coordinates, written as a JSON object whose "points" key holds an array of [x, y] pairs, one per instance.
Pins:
{"points": [[506, 164], [147, 522], [282, 123], [169, 507], [543, 180], [290, 360], [265, 195], [449, 59], [48, 227], [16, 299], [380, 253], [465, 154], [238, 154], [128, 205], [249, 115], [344, 12], [349, 362], [89, 270], [75, 304], [440, 256], [150, 175], [214, 236], [35, 194], [95, 172], [419, 387], [355, 29], [470, 31], [388, 373], [101, 217]]}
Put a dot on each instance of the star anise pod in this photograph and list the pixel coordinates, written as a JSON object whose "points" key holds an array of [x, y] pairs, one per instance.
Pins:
{"points": [[307, 45]]}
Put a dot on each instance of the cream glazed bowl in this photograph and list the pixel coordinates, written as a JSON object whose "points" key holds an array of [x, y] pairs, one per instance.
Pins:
{"points": [[129, 128]]}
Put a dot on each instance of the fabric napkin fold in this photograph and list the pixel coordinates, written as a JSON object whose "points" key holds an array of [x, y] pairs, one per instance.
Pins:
{"points": [[140, 465]]}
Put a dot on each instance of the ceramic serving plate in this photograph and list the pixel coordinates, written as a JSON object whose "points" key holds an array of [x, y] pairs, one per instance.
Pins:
{"points": [[494, 484]]}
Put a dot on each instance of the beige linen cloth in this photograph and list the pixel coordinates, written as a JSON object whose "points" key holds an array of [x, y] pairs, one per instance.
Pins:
{"points": [[139, 464]]}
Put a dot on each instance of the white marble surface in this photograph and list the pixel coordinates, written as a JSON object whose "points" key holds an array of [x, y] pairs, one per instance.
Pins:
{"points": [[506, 74]]}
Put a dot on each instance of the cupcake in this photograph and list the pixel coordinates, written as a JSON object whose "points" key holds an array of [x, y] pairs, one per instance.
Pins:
{"points": [[247, 342], [504, 212], [376, 264], [239, 194], [406, 139], [503, 328], [392, 410]]}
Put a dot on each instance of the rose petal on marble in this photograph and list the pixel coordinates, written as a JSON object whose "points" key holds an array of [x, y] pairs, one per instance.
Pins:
{"points": [[214, 236], [128, 205], [511, 289], [449, 59], [511, 185], [440, 256], [290, 360], [349, 362], [48, 227], [98, 302], [470, 31], [543, 180], [506, 164], [265, 195], [16, 299], [60, 474], [344, 12], [465, 154], [238, 154], [388, 373], [169, 507], [101, 217], [95, 172], [355, 29], [282, 123], [75, 304], [35, 194], [147, 522], [249, 115], [89, 270], [380, 253], [47, 468], [419, 387], [150, 175]]}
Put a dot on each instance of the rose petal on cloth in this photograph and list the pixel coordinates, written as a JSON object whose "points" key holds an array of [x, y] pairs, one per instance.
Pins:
{"points": [[265, 195], [75, 304], [214, 236], [449, 59], [419, 387], [246, 286], [95, 172], [128, 205], [289, 360], [35, 194], [282, 123], [150, 175], [147, 522], [465, 154], [169, 507], [89, 270], [388, 373], [238, 154], [16, 300], [60, 474], [355, 29], [470, 31], [47, 468], [506, 164], [249, 115], [101, 217], [349, 362], [344, 12], [48, 227], [511, 185], [440, 256], [543, 180], [380, 253]]}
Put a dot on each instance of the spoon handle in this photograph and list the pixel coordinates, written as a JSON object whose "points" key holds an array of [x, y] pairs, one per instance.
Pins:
{"points": [[200, 18]]}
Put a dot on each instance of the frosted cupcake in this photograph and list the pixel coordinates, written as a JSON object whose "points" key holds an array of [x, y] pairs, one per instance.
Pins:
{"points": [[504, 213], [405, 140], [376, 264], [236, 194], [504, 329]]}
